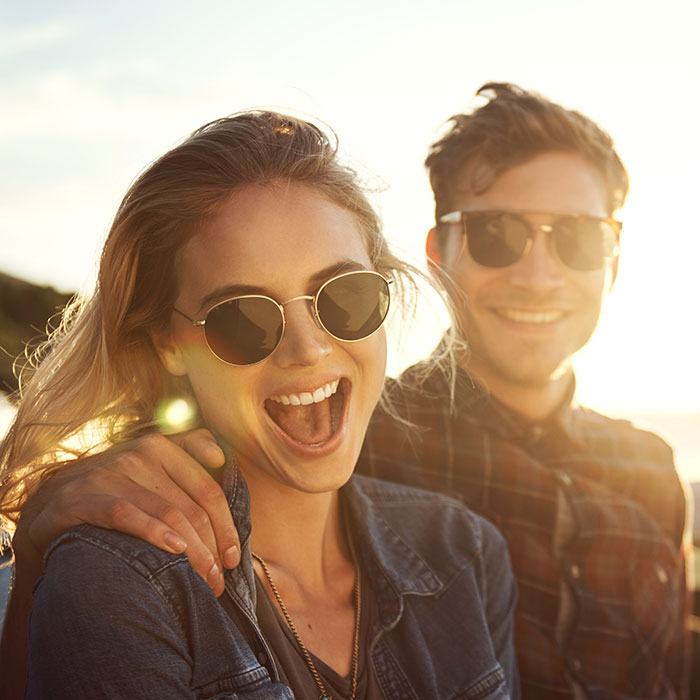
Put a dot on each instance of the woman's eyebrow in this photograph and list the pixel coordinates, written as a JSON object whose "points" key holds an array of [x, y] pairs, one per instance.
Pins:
{"points": [[346, 265], [318, 278], [228, 291]]}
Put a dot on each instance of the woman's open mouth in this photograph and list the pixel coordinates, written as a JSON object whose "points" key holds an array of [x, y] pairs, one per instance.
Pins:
{"points": [[309, 418]]}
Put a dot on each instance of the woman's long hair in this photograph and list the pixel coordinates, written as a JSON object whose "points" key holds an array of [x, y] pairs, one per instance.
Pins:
{"points": [[98, 380]]}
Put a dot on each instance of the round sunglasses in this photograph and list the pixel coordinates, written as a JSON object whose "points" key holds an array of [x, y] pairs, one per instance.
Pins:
{"points": [[501, 238], [246, 329]]}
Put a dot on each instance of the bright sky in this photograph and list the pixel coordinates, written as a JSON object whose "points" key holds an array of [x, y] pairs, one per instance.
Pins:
{"points": [[92, 92]]}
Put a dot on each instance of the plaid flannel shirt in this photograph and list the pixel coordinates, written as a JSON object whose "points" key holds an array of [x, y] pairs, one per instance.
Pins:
{"points": [[593, 511]]}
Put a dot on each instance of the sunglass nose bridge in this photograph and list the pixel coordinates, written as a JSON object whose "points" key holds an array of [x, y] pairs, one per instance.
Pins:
{"points": [[308, 297], [314, 310]]}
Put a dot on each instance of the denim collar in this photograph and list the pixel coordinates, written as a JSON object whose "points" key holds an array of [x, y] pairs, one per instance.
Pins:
{"points": [[380, 549], [405, 567]]}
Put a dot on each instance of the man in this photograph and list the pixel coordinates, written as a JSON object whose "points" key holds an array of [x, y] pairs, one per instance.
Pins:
{"points": [[592, 508]]}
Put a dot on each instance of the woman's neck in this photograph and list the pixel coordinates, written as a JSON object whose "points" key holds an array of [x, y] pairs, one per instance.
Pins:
{"points": [[298, 534]]}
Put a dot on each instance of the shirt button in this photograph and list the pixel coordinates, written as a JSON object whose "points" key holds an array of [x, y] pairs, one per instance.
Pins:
{"points": [[661, 573], [576, 665], [575, 571], [262, 658]]}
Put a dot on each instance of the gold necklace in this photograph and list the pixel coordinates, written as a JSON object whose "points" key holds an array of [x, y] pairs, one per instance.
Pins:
{"points": [[307, 657]]}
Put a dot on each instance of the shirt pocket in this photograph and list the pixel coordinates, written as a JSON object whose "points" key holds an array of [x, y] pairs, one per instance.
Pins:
{"points": [[281, 693], [260, 694]]}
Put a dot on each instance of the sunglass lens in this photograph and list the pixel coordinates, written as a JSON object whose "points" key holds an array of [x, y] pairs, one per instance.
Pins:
{"points": [[353, 306], [496, 240], [244, 331], [584, 244]]}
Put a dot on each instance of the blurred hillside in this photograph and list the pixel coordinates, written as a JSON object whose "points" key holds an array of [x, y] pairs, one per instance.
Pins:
{"points": [[25, 309]]}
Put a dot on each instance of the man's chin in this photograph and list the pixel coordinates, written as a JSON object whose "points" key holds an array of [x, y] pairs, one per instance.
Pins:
{"points": [[533, 377]]}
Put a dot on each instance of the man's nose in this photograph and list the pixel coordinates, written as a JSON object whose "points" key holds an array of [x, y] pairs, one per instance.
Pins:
{"points": [[539, 269], [304, 342]]}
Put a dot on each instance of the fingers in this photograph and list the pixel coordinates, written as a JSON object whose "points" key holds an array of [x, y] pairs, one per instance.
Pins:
{"points": [[150, 488], [143, 514], [162, 467], [106, 497], [192, 490], [202, 446]]}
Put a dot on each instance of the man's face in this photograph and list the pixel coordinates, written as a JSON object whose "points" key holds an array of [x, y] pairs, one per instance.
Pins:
{"points": [[523, 322]]}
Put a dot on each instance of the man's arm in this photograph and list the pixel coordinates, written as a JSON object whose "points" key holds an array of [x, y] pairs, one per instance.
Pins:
{"points": [[153, 488]]}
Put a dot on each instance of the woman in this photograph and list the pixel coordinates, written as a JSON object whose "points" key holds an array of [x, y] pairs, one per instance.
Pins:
{"points": [[245, 273]]}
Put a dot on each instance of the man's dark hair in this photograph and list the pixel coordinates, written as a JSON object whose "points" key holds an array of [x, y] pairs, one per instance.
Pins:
{"points": [[511, 128]]}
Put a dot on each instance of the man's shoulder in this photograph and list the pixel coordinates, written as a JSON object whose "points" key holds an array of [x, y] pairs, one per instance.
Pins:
{"points": [[423, 397], [619, 436], [434, 380]]}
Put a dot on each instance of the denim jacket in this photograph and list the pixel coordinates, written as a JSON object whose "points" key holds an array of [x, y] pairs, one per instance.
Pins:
{"points": [[114, 617]]}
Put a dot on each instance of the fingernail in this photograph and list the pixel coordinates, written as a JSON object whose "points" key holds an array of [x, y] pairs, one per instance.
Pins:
{"points": [[213, 575], [175, 543], [231, 557], [216, 454]]}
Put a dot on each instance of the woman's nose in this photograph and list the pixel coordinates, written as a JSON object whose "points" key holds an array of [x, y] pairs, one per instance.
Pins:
{"points": [[304, 342]]}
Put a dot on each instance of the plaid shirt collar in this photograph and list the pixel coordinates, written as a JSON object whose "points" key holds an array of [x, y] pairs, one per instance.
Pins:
{"points": [[481, 408]]}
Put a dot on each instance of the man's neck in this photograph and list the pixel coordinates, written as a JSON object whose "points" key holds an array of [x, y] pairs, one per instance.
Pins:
{"points": [[534, 402]]}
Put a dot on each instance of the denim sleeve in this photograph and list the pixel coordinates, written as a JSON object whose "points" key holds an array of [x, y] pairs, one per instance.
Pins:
{"points": [[100, 628], [499, 600]]}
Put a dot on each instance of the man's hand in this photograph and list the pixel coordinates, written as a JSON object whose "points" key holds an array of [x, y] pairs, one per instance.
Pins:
{"points": [[153, 488]]}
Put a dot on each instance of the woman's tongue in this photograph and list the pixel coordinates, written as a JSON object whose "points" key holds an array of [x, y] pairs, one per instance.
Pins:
{"points": [[309, 425]]}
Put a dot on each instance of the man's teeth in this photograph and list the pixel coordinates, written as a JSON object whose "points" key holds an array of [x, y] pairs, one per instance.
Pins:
{"points": [[307, 397], [530, 316]]}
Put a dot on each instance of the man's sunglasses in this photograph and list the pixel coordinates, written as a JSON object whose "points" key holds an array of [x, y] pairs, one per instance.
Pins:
{"points": [[501, 238], [244, 330]]}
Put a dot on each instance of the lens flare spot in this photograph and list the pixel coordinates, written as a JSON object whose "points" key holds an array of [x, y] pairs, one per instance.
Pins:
{"points": [[176, 415]]}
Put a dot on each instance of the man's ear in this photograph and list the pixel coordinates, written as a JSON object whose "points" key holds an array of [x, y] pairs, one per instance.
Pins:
{"points": [[615, 264], [170, 353], [433, 250]]}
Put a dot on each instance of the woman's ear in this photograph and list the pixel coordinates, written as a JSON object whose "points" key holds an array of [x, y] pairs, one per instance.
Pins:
{"points": [[170, 353]]}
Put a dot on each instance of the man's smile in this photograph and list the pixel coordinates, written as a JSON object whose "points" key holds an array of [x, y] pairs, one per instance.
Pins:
{"points": [[542, 316]]}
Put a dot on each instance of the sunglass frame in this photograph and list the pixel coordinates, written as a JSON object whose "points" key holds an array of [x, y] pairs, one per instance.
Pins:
{"points": [[280, 306]]}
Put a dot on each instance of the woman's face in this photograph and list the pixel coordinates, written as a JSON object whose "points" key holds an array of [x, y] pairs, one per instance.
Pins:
{"points": [[281, 241]]}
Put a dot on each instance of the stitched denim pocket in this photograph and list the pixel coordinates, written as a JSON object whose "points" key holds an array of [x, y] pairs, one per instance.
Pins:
{"points": [[492, 686]]}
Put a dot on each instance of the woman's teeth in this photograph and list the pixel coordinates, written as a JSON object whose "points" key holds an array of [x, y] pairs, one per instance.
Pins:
{"points": [[309, 417], [306, 398]]}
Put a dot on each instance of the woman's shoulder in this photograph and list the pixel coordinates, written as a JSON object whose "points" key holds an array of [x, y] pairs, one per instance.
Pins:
{"points": [[92, 569], [89, 551]]}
